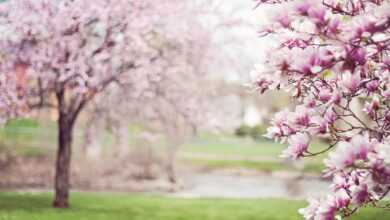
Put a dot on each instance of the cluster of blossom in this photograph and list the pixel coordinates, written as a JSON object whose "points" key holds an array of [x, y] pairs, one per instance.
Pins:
{"points": [[70, 45], [332, 55], [178, 87], [11, 87], [173, 71]]}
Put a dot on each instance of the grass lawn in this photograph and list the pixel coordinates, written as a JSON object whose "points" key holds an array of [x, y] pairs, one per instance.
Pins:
{"points": [[85, 206], [313, 166], [230, 145], [218, 151], [31, 138]]}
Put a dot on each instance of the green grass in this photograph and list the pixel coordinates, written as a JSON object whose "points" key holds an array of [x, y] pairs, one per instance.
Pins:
{"points": [[226, 145], [92, 206], [218, 152], [28, 137], [31, 138], [229, 145], [264, 166]]}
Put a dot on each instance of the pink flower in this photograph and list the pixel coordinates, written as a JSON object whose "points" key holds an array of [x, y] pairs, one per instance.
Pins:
{"points": [[362, 146], [348, 152], [350, 82], [298, 145], [342, 157], [326, 211], [263, 84], [325, 58], [312, 61], [303, 7], [317, 14], [280, 126], [281, 118], [363, 27], [310, 212], [330, 116], [356, 55], [336, 97], [372, 107], [334, 26], [265, 30], [341, 199], [301, 116], [360, 194], [372, 86], [274, 133], [309, 102], [325, 95], [283, 20], [328, 64], [320, 126], [281, 59], [339, 182]]}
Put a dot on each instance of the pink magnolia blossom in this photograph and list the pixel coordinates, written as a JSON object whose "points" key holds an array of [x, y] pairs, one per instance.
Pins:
{"points": [[283, 20], [321, 126], [334, 26], [350, 82], [360, 194], [301, 116], [330, 115], [342, 58], [310, 212], [281, 126], [325, 95], [298, 145], [348, 152], [373, 85], [303, 7], [326, 209], [317, 14], [372, 107]]}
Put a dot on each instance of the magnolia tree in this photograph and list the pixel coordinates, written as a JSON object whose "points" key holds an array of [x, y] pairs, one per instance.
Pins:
{"points": [[60, 54], [330, 55], [176, 98]]}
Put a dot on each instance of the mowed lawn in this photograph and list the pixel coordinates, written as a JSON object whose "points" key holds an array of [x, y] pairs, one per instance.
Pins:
{"points": [[36, 138], [228, 151], [93, 206]]}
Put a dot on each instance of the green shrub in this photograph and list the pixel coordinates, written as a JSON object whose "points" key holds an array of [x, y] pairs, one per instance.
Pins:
{"points": [[255, 132], [258, 131], [243, 131]]}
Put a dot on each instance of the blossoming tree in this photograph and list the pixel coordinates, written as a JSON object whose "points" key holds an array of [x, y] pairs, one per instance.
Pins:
{"points": [[172, 97], [178, 97], [60, 54], [331, 54]]}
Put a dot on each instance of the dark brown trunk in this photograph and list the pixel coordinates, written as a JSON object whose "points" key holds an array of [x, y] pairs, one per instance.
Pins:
{"points": [[62, 175]]}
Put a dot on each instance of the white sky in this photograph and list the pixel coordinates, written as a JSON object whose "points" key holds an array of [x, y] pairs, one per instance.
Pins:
{"points": [[247, 48]]}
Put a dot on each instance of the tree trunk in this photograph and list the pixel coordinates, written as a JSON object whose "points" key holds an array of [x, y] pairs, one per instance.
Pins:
{"points": [[171, 166], [62, 180]]}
